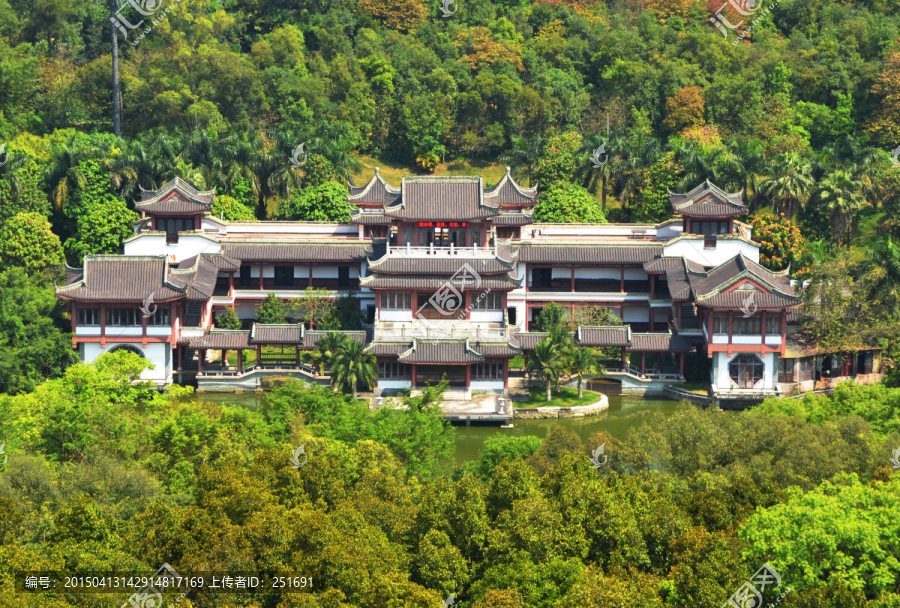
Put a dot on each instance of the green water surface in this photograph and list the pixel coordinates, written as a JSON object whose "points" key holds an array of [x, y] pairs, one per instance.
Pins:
{"points": [[624, 413]]}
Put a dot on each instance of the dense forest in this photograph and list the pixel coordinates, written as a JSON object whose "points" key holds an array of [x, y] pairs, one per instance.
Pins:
{"points": [[800, 112], [105, 474]]}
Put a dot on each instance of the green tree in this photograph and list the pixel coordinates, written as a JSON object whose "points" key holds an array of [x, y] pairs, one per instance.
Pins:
{"points": [[498, 448], [565, 202], [33, 345], [662, 177], [228, 320], [228, 208], [324, 203], [271, 310], [552, 316], [352, 365], [327, 348], [20, 192], [318, 170], [781, 244], [790, 185], [545, 363], [582, 362], [27, 241], [840, 195], [562, 159]]}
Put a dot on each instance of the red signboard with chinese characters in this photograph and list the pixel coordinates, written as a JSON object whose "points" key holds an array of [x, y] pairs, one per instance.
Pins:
{"points": [[441, 224]]}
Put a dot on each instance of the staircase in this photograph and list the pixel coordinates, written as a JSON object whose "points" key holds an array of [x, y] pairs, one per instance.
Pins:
{"points": [[689, 318], [193, 314]]}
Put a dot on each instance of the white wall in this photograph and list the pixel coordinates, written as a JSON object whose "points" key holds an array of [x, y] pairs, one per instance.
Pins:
{"points": [[394, 384], [397, 316], [635, 274], [723, 380], [598, 273], [486, 316], [562, 273], [486, 385], [325, 272], [155, 352], [692, 249], [155, 244], [637, 315]]}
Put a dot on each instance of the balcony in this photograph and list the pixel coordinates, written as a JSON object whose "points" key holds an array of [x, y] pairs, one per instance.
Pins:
{"points": [[474, 253], [441, 331]]}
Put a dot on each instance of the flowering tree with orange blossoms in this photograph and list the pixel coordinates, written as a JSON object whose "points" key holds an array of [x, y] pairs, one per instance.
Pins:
{"points": [[780, 243]]}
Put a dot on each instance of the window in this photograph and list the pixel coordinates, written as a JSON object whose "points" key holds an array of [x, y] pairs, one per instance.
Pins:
{"points": [[487, 301], [160, 318], [343, 276], [123, 317], [172, 226], [488, 371], [747, 327], [393, 370], [396, 301], [284, 276], [89, 317], [773, 326], [245, 277], [746, 370], [129, 349], [807, 368], [408, 236], [476, 237], [720, 325], [786, 370]]}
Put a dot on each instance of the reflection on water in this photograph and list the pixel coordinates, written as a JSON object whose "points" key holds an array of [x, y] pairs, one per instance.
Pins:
{"points": [[624, 413]]}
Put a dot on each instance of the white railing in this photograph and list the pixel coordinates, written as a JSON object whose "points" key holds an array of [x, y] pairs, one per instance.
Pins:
{"points": [[475, 252], [442, 332]]}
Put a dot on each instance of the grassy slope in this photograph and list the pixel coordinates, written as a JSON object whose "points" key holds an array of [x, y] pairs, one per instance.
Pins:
{"points": [[564, 397]]}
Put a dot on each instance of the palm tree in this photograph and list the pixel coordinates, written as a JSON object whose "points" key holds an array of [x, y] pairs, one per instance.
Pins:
{"points": [[63, 174], [336, 147], [525, 157], [840, 195], [545, 362], [790, 184], [352, 365], [583, 361], [883, 266], [327, 349]]}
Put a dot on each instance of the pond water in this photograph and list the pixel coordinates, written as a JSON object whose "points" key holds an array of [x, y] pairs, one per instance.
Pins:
{"points": [[624, 413]]}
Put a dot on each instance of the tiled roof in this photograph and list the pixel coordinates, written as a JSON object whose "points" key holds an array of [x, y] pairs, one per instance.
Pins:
{"points": [[312, 252], [606, 336], [508, 192], [177, 196], [496, 349], [739, 266], [588, 254], [660, 265], [222, 339], [388, 348], [370, 219], [311, 337], [677, 278], [658, 342], [528, 340], [440, 351], [708, 200], [376, 192], [739, 299], [442, 198], [438, 265], [119, 278], [500, 282], [276, 333], [73, 275], [220, 261], [512, 219]]}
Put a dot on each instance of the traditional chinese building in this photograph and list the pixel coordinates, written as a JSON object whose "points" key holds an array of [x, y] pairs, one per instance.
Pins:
{"points": [[450, 276]]}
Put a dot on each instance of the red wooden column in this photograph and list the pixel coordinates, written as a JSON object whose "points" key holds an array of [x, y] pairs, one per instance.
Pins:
{"points": [[297, 355], [103, 326], [259, 355], [240, 363], [624, 358], [413, 374], [681, 364], [783, 331], [651, 316], [468, 304], [527, 279], [174, 325], [678, 314], [224, 363], [730, 327], [310, 274], [74, 315], [231, 285], [468, 374], [762, 347], [506, 374], [688, 225], [261, 288], [622, 280], [573, 280], [200, 355], [179, 349], [643, 363]]}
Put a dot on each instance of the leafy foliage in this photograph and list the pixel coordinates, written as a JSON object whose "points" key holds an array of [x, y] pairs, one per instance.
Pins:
{"points": [[228, 208], [27, 241], [324, 203], [271, 310], [568, 203], [781, 244], [228, 319]]}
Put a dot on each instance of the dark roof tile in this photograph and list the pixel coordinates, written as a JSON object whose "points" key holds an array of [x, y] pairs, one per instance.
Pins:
{"points": [[605, 336], [276, 333], [588, 254], [222, 339], [653, 342], [441, 351], [283, 252]]}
